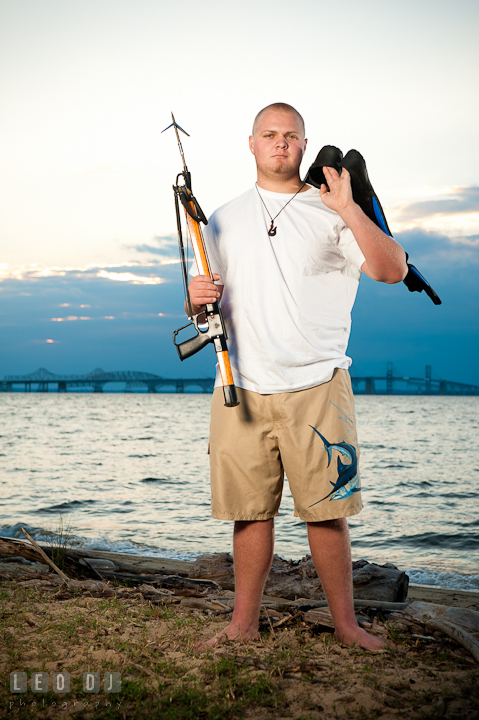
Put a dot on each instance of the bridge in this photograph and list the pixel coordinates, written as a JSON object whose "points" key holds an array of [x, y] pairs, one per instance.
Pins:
{"points": [[391, 384], [42, 379], [388, 384]]}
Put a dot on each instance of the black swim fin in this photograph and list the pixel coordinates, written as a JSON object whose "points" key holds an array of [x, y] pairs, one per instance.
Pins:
{"points": [[368, 201], [328, 156], [415, 282], [363, 192]]}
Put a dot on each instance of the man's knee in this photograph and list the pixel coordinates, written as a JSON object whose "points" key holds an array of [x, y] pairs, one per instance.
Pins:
{"points": [[259, 524], [336, 524]]}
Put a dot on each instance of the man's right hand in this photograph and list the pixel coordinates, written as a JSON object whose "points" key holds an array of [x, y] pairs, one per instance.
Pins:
{"points": [[203, 291]]}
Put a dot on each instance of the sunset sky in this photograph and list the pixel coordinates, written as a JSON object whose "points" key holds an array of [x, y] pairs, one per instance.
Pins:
{"points": [[88, 258]]}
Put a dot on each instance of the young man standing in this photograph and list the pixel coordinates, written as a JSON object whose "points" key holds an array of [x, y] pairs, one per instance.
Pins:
{"points": [[287, 259]]}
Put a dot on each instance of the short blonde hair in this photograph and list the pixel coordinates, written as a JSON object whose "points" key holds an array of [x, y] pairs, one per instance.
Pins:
{"points": [[281, 107]]}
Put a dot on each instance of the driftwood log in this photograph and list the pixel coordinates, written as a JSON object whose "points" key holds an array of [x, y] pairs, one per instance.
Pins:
{"points": [[456, 633], [18, 548], [177, 585], [423, 612], [461, 624], [10, 547], [75, 562], [293, 579]]}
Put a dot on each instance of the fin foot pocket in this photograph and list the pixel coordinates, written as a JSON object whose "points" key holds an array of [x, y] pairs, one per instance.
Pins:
{"points": [[328, 156]]}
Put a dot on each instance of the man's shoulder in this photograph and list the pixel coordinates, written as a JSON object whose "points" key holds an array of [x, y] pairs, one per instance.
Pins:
{"points": [[231, 207]]}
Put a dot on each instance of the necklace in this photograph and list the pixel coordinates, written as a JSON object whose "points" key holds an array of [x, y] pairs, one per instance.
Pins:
{"points": [[272, 230]]}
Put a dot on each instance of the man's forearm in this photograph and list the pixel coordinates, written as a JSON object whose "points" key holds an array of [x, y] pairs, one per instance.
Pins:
{"points": [[385, 258]]}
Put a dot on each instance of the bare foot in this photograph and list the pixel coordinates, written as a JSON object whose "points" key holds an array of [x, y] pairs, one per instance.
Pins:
{"points": [[231, 632], [357, 637]]}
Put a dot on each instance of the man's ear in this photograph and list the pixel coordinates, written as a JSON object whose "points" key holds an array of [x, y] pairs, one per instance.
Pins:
{"points": [[305, 143], [251, 143]]}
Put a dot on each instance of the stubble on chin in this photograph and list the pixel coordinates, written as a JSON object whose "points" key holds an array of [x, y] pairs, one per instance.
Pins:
{"points": [[278, 169]]}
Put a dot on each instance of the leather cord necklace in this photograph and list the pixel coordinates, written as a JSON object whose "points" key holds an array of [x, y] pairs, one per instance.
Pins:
{"points": [[272, 230]]}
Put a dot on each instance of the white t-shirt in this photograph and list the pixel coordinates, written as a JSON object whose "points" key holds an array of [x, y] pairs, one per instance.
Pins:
{"points": [[287, 299]]}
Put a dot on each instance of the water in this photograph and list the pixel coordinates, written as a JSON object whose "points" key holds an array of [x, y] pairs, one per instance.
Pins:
{"points": [[130, 473]]}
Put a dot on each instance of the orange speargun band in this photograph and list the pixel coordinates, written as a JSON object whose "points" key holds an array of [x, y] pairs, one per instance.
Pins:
{"points": [[197, 243]]}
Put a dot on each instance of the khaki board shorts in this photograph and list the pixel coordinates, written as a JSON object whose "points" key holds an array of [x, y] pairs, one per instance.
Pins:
{"points": [[310, 435]]}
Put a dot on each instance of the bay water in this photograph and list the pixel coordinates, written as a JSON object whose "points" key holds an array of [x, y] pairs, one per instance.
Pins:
{"points": [[130, 473]]}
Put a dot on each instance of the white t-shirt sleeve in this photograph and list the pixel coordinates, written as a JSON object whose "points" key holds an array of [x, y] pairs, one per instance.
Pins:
{"points": [[349, 247]]}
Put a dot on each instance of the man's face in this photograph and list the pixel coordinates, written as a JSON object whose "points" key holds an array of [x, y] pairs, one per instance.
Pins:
{"points": [[278, 144]]}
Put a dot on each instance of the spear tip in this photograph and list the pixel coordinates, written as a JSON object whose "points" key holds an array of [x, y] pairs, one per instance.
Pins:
{"points": [[175, 125]]}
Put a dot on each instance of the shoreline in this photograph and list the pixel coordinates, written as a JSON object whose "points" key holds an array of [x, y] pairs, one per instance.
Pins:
{"points": [[425, 593], [428, 592]]}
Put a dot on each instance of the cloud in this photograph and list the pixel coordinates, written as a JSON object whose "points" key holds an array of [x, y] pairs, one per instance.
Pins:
{"points": [[459, 201], [453, 212], [128, 272], [471, 240], [69, 318], [165, 246], [446, 254], [105, 292], [130, 277]]}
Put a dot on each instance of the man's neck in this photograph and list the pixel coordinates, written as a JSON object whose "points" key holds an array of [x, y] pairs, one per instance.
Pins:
{"points": [[280, 184]]}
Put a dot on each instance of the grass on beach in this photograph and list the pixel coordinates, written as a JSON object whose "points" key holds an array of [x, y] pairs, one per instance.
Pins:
{"points": [[295, 671], [60, 540]]}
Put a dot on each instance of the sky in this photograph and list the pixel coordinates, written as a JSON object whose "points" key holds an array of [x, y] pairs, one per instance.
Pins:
{"points": [[89, 273]]}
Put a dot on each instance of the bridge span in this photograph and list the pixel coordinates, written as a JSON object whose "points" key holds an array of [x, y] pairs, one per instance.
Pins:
{"points": [[42, 379], [389, 384]]}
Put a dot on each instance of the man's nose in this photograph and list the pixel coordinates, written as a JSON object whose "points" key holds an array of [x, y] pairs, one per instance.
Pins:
{"points": [[281, 142]]}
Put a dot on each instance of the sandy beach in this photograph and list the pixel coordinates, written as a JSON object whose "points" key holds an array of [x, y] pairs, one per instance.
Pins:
{"points": [[296, 670]]}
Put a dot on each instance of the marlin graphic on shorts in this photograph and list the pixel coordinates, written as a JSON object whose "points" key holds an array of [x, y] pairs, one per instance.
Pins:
{"points": [[348, 480]]}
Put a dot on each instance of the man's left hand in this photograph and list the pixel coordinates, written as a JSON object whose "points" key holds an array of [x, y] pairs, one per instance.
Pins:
{"points": [[340, 195]]}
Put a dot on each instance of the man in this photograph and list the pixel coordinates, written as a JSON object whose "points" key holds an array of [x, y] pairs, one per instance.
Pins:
{"points": [[287, 261]]}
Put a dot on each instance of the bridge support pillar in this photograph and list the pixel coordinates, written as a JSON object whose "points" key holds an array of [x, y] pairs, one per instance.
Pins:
{"points": [[389, 378], [370, 388], [428, 379], [180, 387], [62, 386], [443, 387]]}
